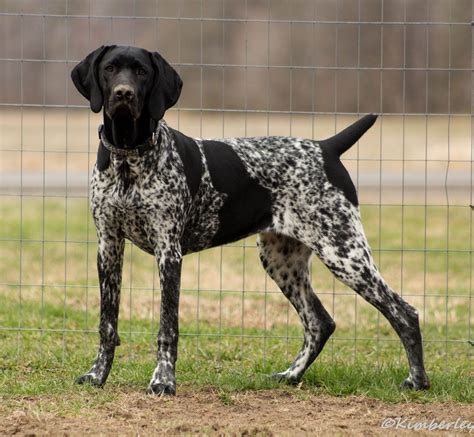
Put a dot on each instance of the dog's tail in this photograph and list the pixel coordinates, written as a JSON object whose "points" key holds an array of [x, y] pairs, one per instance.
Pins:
{"points": [[343, 141]]}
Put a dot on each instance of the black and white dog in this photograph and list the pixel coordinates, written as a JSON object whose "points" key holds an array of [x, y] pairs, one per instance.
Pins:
{"points": [[172, 195]]}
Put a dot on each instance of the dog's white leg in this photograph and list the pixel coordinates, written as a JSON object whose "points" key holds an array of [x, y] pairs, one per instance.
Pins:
{"points": [[340, 242], [286, 261], [163, 380], [109, 266]]}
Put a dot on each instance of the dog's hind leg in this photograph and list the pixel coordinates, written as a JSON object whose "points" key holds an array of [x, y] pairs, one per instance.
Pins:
{"points": [[286, 261], [344, 249], [109, 266]]}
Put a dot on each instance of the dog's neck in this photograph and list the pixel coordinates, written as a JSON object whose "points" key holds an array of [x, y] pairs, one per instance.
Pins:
{"points": [[131, 134]]}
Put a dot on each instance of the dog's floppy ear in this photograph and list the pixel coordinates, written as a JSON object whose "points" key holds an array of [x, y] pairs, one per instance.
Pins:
{"points": [[166, 87], [84, 76]]}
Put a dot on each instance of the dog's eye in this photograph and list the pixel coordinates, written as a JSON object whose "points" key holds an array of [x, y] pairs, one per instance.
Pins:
{"points": [[109, 68], [141, 71]]}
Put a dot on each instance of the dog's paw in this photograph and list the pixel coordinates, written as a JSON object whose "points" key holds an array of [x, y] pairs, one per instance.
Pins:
{"points": [[159, 389], [286, 377], [409, 383], [91, 379]]}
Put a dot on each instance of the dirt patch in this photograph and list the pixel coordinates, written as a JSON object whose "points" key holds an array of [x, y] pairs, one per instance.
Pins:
{"points": [[264, 413]]}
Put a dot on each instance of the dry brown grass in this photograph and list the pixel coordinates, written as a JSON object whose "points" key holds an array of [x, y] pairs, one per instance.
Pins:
{"points": [[56, 131], [207, 412]]}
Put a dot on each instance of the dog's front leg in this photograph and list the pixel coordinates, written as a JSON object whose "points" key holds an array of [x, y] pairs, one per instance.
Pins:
{"points": [[163, 380], [109, 266]]}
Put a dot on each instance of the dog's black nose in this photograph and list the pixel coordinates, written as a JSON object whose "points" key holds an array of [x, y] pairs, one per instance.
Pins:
{"points": [[124, 92]]}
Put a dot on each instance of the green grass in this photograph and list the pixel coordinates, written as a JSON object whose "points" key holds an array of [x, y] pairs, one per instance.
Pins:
{"points": [[50, 363], [236, 327]]}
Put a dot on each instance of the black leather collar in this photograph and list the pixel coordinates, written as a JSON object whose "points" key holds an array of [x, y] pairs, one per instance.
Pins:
{"points": [[136, 151]]}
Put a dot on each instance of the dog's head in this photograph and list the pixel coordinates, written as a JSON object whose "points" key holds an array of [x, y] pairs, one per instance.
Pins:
{"points": [[128, 82]]}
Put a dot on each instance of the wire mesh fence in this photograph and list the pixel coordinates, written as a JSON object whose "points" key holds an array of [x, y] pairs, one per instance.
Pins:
{"points": [[300, 68]]}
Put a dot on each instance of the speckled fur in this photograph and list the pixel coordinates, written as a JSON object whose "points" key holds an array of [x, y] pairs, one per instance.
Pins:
{"points": [[148, 200], [310, 215]]}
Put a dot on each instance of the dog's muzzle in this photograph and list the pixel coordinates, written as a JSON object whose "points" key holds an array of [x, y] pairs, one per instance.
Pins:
{"points": [[124, 93], [123, 102]]}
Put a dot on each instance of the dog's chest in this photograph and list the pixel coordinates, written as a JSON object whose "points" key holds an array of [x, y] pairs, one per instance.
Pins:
{"points": [[130, 202]]}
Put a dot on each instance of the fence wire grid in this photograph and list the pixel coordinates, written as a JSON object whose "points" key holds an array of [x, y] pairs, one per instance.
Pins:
{"points": [[300, 68]]}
